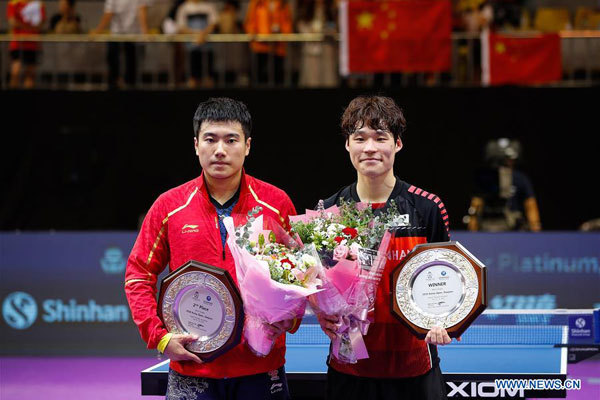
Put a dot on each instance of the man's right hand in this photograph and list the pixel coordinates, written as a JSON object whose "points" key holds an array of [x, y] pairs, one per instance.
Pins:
{"points": [[329, 324], [176, 351]]}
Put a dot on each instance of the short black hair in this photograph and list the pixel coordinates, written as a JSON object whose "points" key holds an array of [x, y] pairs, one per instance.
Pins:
{"points": [[223, 109]]}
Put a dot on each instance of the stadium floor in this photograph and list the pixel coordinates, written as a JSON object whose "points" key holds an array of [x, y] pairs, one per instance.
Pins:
{"points": [[118, 378]]}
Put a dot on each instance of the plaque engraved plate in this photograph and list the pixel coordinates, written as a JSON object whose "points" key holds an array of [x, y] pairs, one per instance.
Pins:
{"points": [[202, 300], [438, 284]]}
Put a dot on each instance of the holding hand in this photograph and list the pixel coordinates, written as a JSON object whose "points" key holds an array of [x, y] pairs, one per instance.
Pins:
{"points": [[176, 351], [329, 324], [275, 329], [438, 336]]}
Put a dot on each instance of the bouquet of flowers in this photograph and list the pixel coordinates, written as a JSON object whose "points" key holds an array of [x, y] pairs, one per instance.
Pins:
{"points": [[274, 274], [351, 242]]}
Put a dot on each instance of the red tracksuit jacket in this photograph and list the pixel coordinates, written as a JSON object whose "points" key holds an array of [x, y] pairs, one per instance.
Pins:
{"points": [[182, 225]]}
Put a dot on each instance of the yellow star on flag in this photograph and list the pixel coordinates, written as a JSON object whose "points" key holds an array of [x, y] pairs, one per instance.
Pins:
{"points": [[365, 20], [500, 47]]}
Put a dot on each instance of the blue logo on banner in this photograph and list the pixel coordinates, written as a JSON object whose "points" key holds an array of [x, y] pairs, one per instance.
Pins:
{"points": [[443, 273], [580, 327], [113, 261], [19, 310], [208, 298]]}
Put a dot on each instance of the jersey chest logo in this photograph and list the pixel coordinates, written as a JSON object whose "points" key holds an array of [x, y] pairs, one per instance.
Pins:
{"points": [[189, 228], [401, 220]]}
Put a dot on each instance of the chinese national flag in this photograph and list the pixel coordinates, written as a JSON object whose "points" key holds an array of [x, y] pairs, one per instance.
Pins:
{"points": [[395, 36], [518, 60]]}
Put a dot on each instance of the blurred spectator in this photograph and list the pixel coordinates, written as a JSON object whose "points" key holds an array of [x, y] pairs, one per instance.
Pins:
{"points": [[198, 17], [508, 14], [25, 17], [124, 16], [264, 17], [169, 27], [504, 199], [318, 68], [229, 19], [66, 21], [232, 57], [475, 15]]}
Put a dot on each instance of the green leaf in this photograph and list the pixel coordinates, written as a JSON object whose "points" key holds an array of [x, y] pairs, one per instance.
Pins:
{"points": [[261, 240]]}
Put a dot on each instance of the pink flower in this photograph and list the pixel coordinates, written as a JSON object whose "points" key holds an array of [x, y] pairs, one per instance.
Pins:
{"points": [[353, 252], [340, 252]]}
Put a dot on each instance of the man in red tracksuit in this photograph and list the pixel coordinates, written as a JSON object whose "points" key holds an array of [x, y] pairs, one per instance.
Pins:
{"points": [[399, 366], [185, 223]]}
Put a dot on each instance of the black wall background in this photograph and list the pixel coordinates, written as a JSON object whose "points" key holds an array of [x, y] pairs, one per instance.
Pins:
{"points": [[97, 160]]}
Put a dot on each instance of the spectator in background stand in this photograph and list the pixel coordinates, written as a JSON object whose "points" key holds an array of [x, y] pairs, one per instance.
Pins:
{"points": [[504, 200], [198, 17], [124, 17], [25, 17], [169, 27], [475, 16], [66, 21], [318, 65], [264, 17], [232, 56], [508, 14]]}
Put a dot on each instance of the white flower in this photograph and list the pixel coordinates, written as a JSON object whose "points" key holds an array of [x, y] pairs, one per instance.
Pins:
{"points": [[286, 265], [334, 229], [308, 260]]}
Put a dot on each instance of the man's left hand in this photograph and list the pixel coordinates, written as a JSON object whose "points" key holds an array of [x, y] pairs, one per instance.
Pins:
{"points": [[275, 329], [438, 336]]}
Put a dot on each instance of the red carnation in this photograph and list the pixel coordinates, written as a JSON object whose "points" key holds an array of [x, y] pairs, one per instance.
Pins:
{"points": [[350, 232], [287, 261], [338, 239]]}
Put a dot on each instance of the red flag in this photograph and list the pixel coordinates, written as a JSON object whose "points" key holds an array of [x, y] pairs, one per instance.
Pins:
{"points": [[520, 60], [395, 36]]}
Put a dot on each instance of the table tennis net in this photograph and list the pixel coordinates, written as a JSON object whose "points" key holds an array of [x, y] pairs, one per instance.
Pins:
{"points": [[516, 327]]}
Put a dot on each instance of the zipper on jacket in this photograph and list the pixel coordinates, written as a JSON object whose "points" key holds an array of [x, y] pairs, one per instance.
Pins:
{"points": [[219, 229]]}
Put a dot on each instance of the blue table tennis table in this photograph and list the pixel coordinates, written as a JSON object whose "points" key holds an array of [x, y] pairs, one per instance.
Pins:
{"points": [[499, 345]]}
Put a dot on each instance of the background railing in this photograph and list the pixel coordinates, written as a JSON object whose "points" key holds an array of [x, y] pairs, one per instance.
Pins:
{"points": [[78, 62]]}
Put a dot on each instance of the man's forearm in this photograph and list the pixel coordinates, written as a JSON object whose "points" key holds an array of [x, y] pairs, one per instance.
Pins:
{"points": [[143, 17], [106, 18], [533, 214]]}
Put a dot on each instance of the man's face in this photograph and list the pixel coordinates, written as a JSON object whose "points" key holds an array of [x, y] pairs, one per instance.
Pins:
{"points": [[372, 152], [221, 148]]}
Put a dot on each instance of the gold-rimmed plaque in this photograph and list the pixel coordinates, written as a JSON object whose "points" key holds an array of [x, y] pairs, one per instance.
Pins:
{"points": [[202, 300], [439, 284]]}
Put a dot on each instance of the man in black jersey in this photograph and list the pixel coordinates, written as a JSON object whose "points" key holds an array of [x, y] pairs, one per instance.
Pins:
{"points": [[399, 365]]}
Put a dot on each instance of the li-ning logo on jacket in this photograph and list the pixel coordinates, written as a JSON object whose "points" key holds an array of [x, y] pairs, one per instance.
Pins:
{"points": [[187, 228]]}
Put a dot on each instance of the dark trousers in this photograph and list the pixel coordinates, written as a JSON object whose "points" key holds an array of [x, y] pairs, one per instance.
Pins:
{"points": [[268, 63], [270, 385], [114, 62], [201, 63], [429, 386]]}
